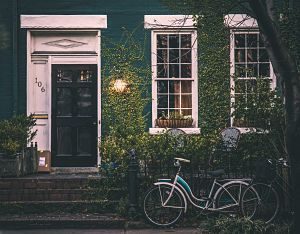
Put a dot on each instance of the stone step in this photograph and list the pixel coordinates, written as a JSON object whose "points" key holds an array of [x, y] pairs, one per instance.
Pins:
{"points": [[65, 220], [28, 183], [44, 207], [58, 194]]}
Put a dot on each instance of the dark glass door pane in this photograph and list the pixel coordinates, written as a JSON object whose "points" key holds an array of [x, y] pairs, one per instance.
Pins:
{"points": [[84, 102], [64, 102]]}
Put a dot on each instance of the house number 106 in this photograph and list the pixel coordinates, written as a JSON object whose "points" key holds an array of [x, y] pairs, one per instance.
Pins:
{"points": [[40, 85]]}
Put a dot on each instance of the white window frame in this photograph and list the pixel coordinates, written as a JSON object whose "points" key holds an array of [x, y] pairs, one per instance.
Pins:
{"points": [[241, 23], [173, 24]]}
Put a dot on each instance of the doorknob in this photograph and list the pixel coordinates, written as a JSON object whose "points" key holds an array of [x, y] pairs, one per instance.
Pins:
{"points": [[94, 123]]}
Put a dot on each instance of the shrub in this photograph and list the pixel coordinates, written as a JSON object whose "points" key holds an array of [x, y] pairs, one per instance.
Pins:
{"points": [[16, 133]]}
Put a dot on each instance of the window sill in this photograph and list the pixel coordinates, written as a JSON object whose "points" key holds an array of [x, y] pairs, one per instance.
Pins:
{"points": [[189, 131]]}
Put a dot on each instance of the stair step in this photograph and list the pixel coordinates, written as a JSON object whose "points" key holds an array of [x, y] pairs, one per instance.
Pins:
{"points": [[62, 220], [57, 194], [43, 207]]}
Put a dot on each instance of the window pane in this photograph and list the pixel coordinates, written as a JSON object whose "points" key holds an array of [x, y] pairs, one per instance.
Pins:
{"points": [[187, 112], [239, 40], [186, 101], [84, 102], [263, 55], [252, 40], [251, 86], [186, 71], [264, 69], [173, 70], [64, 102], [162, 41], [252, 70], [64, 76], [252, 55], [84, 76], [240, 70], [174, 86], [186, 86], [162, 112], [162, 56], [240, 86], [162, 86], [261, 42], [174, 56], [240, 55], [162, 101], [174, 101], [186, 56], [162, 71], [64, 141], [84, 139], [173, 41], [186, 41]]}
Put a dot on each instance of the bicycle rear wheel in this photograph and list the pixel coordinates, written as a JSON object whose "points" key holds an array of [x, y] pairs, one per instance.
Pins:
{"points": [[260, 201], [159, 214], [228, 199]]}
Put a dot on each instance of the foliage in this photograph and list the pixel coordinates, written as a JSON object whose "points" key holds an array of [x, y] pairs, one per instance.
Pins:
{"points": [[228, 225], [174, 115], [123, 113], [16, 133]]}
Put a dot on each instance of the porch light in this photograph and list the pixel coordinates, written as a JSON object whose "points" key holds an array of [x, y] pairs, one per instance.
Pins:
{"points": [[120, 86]]}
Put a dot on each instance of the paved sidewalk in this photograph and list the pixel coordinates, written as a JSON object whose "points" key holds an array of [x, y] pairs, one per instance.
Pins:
{"points": [[106, 231]]}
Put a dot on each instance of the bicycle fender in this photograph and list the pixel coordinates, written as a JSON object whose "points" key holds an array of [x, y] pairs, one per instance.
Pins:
{"points": [[177, 189], [228, 183]]}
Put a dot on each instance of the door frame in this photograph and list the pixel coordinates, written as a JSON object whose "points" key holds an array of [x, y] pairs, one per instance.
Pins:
{"points": [[48, 59]]}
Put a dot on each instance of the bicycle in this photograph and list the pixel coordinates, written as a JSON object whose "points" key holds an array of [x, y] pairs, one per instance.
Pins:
{"points": [[165, 203], [261, 199]]}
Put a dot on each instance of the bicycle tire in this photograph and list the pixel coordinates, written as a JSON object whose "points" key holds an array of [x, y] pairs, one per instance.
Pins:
{"points": [[260, 201], [157, 214], [230, 197]]}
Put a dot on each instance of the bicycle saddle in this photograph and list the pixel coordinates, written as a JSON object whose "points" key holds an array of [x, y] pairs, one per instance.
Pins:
{"points": [[216, 173], [182, 160]]}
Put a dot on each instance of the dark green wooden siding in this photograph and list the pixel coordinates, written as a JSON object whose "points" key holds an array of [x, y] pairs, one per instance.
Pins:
{"points": [[127, 14]]}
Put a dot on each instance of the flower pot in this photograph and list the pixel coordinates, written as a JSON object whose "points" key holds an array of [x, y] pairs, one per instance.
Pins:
{"points": [[174, 123], [11, 166]]}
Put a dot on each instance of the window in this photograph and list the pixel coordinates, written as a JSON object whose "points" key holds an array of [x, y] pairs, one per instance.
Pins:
{"points": [[251, 72], [174, 64]]}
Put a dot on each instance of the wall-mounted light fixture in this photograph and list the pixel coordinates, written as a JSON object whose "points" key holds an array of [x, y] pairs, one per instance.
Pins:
{"points": [[120, 86]]}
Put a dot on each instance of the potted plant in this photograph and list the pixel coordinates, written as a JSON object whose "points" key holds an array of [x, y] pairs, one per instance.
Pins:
{"points": [[174, 120], [15, 158]]}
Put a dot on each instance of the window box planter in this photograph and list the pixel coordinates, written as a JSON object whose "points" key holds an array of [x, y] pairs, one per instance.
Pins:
{"points": [[174, 123]]}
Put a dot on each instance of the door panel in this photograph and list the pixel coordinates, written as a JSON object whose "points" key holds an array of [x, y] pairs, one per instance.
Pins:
{"points": [[74, 115]]}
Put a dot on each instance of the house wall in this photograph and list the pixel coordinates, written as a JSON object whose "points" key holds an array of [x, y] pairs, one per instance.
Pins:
{"points": [[127, 14]]}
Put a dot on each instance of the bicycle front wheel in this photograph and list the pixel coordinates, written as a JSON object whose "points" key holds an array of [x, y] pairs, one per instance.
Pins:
{"points": [[228, 199], [160, 211], [260, 201]]}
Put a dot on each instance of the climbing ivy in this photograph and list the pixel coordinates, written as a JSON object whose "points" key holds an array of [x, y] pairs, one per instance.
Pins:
{"points": [[123, 113]]}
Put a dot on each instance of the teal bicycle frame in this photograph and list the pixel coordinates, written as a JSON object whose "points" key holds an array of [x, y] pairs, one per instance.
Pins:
{"points": [[205, 203]]}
